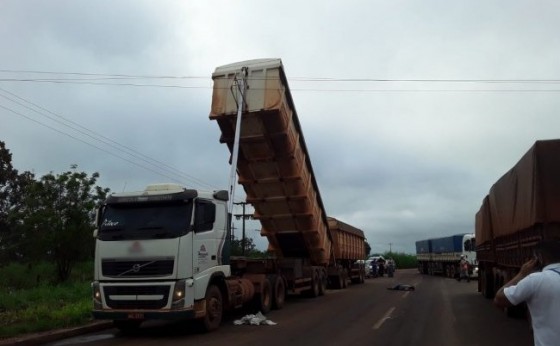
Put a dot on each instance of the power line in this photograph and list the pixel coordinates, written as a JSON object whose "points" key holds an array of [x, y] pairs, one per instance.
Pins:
{"points": [[162, 168], [353, 90], [87, 143], [303, 79]]}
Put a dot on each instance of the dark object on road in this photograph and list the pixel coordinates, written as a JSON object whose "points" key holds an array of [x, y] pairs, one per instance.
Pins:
{"points": [[401, 287]]}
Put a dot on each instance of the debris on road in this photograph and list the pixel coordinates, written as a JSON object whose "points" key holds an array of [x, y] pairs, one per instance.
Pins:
{"points": [[255, 320]]}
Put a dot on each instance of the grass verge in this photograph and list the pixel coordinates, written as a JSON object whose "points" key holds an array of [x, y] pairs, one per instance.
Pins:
{"points": [[44, 307]]}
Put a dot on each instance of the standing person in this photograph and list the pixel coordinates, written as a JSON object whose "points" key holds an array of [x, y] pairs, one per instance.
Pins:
{"points": [[374, 269], [390, 267], [464, 269], [381, 266], [540, 290]]}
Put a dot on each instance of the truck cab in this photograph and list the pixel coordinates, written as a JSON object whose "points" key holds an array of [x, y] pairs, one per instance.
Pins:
{"points": [[156, 252]]}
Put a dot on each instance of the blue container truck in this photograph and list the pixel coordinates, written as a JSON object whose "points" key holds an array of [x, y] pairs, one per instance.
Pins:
{"points": [[442, 255]]}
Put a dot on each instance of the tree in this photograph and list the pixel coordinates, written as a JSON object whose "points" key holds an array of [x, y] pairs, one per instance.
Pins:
{"points": [[12, 185], [368, 248], [57, 220], [250, 248]]}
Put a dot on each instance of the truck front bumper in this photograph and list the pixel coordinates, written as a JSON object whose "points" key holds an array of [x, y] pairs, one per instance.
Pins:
{"points": [[144, 315]]}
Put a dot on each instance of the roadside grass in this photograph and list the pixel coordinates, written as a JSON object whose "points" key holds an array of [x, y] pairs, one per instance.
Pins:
{"points": [[30, 302]]}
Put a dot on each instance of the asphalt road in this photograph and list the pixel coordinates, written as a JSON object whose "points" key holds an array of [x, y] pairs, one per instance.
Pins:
{"points": [[439, 312]]}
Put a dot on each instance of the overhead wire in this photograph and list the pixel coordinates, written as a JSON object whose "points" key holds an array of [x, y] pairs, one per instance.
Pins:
{"points": [[303, 79], [86, 142], [98, 137]]}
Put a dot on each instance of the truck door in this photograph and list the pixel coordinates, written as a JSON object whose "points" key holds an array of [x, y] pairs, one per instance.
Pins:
{"points": [[205, 244]]}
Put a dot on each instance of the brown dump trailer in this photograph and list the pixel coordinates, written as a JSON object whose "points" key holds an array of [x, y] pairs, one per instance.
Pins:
{"points": [[522, 208], [275, 171]]}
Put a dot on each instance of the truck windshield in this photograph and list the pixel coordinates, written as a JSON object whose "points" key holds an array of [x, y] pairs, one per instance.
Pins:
{"points": [[145, 220]]}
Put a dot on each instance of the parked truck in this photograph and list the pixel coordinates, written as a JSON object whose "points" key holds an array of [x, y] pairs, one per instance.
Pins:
{"points": [[163, 253], [522, 208], [442, 255]]}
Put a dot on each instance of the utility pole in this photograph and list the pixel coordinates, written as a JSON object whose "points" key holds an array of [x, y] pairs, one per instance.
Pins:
{"points": [[244, 217], [232, 232], [390, 247]]}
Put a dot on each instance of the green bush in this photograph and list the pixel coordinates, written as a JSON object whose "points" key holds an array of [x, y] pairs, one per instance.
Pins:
{"points": [[402, 260]]}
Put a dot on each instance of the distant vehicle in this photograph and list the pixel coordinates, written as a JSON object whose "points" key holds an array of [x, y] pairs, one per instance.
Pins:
{"points": [[442, 255], [367, 266], [375, 260]]}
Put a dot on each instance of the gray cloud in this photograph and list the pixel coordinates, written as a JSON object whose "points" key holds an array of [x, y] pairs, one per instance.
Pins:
{"points": [[401, 160]]}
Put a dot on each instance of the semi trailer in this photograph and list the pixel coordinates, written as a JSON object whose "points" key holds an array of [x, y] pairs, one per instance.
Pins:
{"points": [[521, 208], [442, 255], [163, 253]]}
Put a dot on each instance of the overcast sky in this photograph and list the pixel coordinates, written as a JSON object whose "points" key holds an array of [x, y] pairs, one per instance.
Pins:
{"points": [[399, 158]]}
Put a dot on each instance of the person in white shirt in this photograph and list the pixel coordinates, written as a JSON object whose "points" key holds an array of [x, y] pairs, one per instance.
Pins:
{"points": [[540, 290]]}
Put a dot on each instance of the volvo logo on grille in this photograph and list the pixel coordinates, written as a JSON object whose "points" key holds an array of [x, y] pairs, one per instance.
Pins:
{"points": [[136, 268]]}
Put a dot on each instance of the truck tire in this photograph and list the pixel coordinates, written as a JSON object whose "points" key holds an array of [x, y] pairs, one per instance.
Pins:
{"points": [[278, 291], [314, 290], [127, 326], [335, 281], [214, 309], [322, 282], [488, 285], [263, 300], [344, 278]]}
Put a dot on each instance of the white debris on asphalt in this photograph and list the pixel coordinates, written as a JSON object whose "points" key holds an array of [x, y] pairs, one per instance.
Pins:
{"points": [[255, 320]]}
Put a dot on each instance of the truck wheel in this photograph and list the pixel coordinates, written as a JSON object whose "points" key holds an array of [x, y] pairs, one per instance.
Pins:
{"points": [[344, 279], [452, 272], [488, 285], [322, 283], [127, 326], [314, 290], [214, 309], [263, 300], [340, 282], [278, 291]]}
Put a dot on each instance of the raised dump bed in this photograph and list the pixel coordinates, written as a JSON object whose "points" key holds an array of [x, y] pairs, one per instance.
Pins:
{"points": [[273, 164]]}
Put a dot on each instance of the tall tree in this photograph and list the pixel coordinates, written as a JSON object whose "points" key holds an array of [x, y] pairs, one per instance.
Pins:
{"points": [[58, 219], [7, 176], [12, 187], [367, 248]]}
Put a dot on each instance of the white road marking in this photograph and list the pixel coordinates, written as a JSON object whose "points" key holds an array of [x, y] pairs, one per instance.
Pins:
{"points": [[385, 317], [406, 294]]}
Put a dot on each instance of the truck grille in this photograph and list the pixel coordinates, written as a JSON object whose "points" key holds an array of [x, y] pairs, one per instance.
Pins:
{"points": [[140, 268], [136, 297]]}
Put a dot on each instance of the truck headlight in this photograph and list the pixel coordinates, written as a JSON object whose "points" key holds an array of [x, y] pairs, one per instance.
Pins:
{"points": [[96, 295], [178, 299]]}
